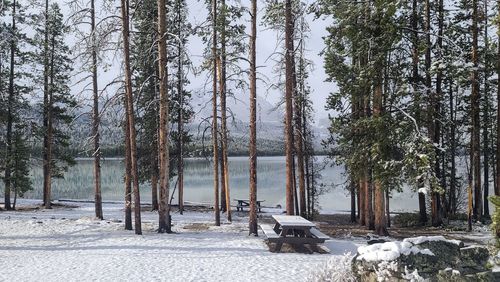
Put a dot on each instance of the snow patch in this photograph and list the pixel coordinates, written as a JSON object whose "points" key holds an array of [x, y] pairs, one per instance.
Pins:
{"points": [[389, 251], [422, 239]]}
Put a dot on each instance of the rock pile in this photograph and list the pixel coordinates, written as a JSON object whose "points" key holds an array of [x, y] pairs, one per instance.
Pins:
{"points": [[422, 259]]}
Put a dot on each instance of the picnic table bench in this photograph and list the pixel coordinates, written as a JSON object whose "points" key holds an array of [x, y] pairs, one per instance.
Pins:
{"points": [[246, 203], [294, 230]]}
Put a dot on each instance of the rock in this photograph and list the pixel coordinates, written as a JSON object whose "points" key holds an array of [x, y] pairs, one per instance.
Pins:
{"points": [[431, 258], [474, 259]]}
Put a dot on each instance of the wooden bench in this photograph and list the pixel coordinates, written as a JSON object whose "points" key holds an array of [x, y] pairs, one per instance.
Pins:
{"points": [[319, 235], [270, 234]]}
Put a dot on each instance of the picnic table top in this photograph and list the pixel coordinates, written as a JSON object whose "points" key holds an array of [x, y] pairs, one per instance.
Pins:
{"points": [[293, 221], [246, 200]]}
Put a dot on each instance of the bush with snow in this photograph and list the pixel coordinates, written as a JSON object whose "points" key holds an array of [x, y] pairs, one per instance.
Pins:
{"points": [[337, 269]]}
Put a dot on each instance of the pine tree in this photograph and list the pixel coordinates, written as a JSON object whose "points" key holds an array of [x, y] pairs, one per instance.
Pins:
{"points": [[145, 84], [180, 108], [57, 102]]}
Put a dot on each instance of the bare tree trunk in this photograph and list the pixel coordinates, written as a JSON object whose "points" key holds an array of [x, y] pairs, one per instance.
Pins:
{"points": [[299, 149], [95, 118], [180, 125], [486, 117], [288, 106], [130, 114], [214, 113], [453, 194], [128, 173], [380, 221], [47, 147], [352, 189], [164, 207], [223, 91], [476, 126], [10, 118], [154, 191], [497, 186], [387, 209], [252, 221]]}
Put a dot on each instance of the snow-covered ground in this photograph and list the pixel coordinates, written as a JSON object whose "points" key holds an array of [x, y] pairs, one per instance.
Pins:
{"points": [[65, 244]]}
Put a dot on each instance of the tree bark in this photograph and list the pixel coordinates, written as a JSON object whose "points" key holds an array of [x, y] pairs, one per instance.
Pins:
{"points": [[214, 113], [453, 194], [476, 126], [180, 125], [289, 52], [252, 221], [299, 144], [95, 118], [47, 140], [352, 189], [130, 114], [380, 221], [486, 117], [223, 90], [164, 206], [128, 173], [497, 186], [387, 209]]}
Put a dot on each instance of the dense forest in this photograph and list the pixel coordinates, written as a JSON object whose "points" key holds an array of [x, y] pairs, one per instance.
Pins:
{"points": [[414, 102]]}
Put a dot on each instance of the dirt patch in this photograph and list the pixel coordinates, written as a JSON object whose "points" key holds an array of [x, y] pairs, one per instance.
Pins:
{"points": [[197, 226], [340, 226], [31, 208]]}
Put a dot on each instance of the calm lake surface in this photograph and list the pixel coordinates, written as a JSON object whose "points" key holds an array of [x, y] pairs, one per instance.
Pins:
{"points": [[199, 183]]}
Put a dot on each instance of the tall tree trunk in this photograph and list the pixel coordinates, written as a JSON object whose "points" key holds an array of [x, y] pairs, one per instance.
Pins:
{"points": [[95, 118], [47, 147], [154, 190], [363, 203], [380, 221], [10, 115], [252, 221], [289, 53], [214, 113], [486, 117], [416, 94], [180, 125], [436, 197], [299, 139], [223, 91], [453, 174], [352, 189], [164, 207], [476, 126], [130, 114], [432, 114], [387, 209], [497, 186], [128, 172]]}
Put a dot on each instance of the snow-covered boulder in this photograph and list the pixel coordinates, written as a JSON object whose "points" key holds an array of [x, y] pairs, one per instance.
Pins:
{"points": [[419, 259]]}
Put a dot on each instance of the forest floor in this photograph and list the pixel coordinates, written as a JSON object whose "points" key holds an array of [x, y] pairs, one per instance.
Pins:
{"points": [[67, 243]]}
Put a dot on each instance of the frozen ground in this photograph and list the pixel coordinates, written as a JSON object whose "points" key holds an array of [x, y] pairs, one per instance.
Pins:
{"points": [[70, 245]]}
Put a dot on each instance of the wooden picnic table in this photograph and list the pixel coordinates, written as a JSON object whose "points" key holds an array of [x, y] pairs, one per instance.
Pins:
{"points": [[243, 203], [294, 230]]}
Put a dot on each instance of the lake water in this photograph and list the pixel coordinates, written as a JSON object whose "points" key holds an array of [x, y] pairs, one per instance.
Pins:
{"points": [[199, 183]]}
